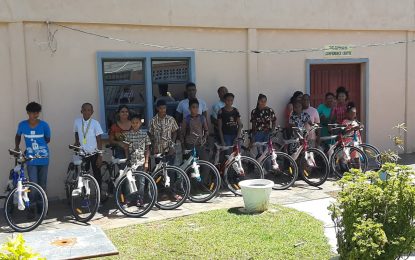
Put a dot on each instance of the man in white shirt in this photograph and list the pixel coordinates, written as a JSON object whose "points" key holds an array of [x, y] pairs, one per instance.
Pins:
{"points": [[313, 137], [88, 133], [215, 109], [183, 108]]}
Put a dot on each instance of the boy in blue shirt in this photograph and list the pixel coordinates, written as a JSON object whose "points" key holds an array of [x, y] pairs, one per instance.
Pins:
{"points": [[36, 134]]}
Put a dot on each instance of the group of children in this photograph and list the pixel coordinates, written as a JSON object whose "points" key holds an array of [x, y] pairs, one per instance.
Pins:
{"points": [[163, 129]]}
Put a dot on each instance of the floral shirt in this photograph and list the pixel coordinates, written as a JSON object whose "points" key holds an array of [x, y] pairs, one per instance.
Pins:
{"points": [[263, 119], [139, 141], [300, 120], [161, 130]]}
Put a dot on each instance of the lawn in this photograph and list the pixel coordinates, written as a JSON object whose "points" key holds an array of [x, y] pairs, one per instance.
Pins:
{"points": [[280, 233]]}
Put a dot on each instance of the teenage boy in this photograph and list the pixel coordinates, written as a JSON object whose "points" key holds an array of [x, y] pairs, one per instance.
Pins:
{"points": [[229, 122], [88, 133], [194, 130], [163, 131], [183, 110], [36, 134]]}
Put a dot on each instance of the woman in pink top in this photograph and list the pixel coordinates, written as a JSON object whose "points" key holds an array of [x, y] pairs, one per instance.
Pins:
{"points": [[338, 113]]}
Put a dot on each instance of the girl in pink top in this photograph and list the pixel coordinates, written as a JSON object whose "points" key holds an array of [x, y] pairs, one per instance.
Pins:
{"points": [[338, 113]]}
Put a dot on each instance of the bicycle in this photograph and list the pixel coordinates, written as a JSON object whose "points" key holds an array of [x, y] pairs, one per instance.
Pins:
{"points": [[344, 156], [237, 167], [312, 163], [173, 185], [26, 203], [278, 167], [205, 180], [137, 202], [82, 189]]}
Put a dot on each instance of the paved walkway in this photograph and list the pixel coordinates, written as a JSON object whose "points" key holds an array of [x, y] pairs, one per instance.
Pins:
{"points": [[59, 216]]}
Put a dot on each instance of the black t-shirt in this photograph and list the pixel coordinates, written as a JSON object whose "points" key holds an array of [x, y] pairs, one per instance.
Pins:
{"points": [[229, 121]]}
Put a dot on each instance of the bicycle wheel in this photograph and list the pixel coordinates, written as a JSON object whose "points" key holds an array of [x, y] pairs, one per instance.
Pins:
{"points": [[232, 176], [34, 211], [173, 187], [71, 177], [347, 158], [283, 174], [207, 186], [85, 200], [314, 167], [107, 187], [135, 197], [373, 156]]}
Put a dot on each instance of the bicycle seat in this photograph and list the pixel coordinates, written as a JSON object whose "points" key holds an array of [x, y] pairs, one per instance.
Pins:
{"points": [[110, 146], [118, 161], [187, 151], [326, 138], [158, 156], [260, 143], [222, 148]]}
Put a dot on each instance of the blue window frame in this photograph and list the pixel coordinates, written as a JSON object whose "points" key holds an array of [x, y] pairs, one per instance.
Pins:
{"points": [[139, 79]]}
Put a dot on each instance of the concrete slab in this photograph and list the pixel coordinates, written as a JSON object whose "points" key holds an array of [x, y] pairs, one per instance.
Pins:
{"points": [[78, 243]]}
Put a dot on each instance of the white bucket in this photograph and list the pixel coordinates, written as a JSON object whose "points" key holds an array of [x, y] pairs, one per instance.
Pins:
{"points": [[256, 194]]}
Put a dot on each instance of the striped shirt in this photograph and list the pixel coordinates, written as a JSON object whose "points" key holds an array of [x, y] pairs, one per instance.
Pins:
{"points": [[161, 130]]}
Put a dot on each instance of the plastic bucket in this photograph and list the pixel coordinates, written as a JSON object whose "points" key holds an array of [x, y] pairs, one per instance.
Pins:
{"points": [[256, 194]]}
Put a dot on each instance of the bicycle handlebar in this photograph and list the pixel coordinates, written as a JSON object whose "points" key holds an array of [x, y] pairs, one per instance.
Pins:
{"points": [[81, 152], [21, 155]]}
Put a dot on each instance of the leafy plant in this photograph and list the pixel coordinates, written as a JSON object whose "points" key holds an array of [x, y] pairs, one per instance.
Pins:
{"points": [[15, 249], [374, 217], [398, 141]]}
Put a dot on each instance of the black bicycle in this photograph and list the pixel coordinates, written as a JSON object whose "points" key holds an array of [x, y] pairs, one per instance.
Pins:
{"points": [[26, 203], [82, 189]]}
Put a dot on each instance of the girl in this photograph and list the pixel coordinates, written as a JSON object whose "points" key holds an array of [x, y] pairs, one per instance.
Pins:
{"points": [[297, 97], [338, 113], [263, 121]]}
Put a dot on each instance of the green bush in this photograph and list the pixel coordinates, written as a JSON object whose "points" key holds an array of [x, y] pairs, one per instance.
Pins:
{"points": [[15, 249], [374, 218]]}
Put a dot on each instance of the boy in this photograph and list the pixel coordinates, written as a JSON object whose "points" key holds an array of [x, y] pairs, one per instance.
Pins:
{"points": [[37, 136], [183, 111], [139, 149], [138, 152], [229, 122], [88, 133], [163, 131], [194, 130]]}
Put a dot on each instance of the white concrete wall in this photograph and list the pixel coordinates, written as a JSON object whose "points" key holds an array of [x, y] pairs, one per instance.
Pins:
{"points": [[69, 77]]}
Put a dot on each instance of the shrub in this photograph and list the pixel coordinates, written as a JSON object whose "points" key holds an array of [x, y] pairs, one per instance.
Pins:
{"points": [[373, 217], [15, 249]]}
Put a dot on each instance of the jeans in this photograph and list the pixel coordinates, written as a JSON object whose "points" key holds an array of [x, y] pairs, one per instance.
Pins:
{"points": [[38, 174], [229, 139], [261, 136]]}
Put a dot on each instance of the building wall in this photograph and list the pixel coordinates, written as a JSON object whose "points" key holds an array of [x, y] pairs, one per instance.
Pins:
{"points": [[64, 80]]}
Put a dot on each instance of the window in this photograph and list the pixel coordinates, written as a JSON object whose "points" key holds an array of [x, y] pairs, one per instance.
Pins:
{"points": [[140, 79], [169, 82], [123, 84]]}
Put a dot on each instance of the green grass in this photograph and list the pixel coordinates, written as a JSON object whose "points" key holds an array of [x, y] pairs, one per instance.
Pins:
{"points": [[221, 234]]}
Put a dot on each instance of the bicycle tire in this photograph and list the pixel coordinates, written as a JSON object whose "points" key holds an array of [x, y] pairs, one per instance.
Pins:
{"points": [[324, 173], [374, 161], [71, 175], [184, 190], [10, 198], [291, 172], [232, 178], [106, 181], [121, 198], [336, 156], [76, 211], [212, 187]]}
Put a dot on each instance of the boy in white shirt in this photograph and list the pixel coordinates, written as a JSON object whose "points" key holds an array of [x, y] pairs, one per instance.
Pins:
{"points": [[88, 133]]}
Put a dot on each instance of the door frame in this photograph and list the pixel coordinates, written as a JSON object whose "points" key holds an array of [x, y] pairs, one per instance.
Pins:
{"points": [[364, 62]]}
